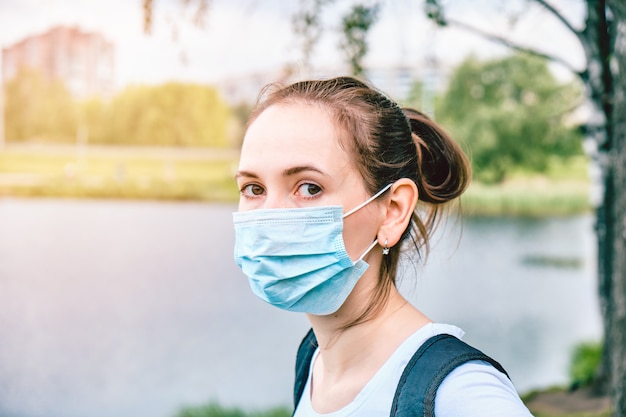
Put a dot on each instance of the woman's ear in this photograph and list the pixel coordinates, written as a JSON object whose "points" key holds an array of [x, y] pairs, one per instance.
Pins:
{"points": [[399, 207]]}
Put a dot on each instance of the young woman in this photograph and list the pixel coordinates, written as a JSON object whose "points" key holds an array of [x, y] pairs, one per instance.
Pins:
{"points": [[336, 179]]}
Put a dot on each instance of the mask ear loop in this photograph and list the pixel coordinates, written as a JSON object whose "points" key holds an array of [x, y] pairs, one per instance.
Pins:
{"points": [[369, 200], [360, 206], [370, 247]]}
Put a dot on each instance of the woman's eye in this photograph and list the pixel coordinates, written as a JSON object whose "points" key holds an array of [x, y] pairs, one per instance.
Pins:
{"points": [[252, 190], [309, 190]]}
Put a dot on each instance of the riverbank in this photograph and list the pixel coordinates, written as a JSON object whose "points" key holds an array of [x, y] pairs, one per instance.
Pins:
{"points": [[207, 175], [559, 402], [528, 196], [99, 172]]}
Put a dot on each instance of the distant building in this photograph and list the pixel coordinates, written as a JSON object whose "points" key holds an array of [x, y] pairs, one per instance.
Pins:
{"points": [[84, 61], [246, 88], [397, 81]]}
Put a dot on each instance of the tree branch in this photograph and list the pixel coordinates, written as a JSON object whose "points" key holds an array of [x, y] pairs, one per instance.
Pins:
{"points": [[147, 16], [559, 16], [509, 44]]}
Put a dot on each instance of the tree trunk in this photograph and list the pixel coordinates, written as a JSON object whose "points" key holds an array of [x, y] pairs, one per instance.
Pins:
{"points": [[597, 40], [618, 278], [617, 163]]}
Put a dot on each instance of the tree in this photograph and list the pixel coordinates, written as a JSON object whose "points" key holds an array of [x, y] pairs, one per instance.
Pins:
{"points": [[170, 114], [308, 27], [199, 12], [617, 245], [355, 26], [612, 229], [94, 119], [507, 119], [37, 108]]}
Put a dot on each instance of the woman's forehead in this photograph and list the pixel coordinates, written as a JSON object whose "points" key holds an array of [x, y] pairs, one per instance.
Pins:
{"points": [[294, 125], [290, 133]]}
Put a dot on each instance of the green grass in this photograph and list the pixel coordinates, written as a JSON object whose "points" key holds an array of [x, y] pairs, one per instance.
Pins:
{"points": [[216, 410], [540, 197], [175, 175], [563, 190]]}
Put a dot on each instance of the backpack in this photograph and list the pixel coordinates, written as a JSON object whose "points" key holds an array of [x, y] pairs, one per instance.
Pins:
{"points": [[415, 394]]}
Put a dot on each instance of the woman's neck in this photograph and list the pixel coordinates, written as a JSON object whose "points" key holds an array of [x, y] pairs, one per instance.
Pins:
{"points": [[350, 357]]}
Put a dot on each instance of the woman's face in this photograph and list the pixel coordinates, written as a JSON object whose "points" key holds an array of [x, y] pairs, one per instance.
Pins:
{"points": [[291, 158]]}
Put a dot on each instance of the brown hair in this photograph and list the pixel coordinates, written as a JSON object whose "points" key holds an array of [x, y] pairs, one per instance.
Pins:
{"points": [[388, 143]]}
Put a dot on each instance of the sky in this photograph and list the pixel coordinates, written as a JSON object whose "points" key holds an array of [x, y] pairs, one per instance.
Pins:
{"points": [[241, 37]]}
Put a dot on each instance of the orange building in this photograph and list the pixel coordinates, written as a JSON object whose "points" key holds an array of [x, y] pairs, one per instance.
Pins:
{"points": [[84, 61]]}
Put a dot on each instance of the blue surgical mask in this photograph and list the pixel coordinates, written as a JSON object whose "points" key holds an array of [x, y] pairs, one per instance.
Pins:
{"points": [[295, 259]]}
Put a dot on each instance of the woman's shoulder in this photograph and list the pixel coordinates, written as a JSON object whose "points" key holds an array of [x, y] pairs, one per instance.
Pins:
{"points": [[476, 388]]}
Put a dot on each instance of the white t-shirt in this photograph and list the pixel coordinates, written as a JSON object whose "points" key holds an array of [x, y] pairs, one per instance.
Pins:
{"points": [[474, 389]]}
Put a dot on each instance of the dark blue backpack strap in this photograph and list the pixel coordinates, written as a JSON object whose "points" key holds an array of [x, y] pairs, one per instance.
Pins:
{"points": [[303, 364], [433, 361]]}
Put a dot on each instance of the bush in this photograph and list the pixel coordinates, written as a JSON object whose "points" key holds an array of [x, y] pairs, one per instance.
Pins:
{"points": [[215, 410], [584, 363]]}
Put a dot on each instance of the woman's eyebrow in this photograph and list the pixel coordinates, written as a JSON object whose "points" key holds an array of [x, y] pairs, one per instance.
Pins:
{"points": [[286, 173], [246, 174], [298, 169]]}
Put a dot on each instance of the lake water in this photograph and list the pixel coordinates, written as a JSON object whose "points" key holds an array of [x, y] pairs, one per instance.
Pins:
{"points": [[136, 309]]}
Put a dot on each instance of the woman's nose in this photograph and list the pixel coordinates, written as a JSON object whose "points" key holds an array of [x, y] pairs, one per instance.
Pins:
{"points": [[274, 200]]}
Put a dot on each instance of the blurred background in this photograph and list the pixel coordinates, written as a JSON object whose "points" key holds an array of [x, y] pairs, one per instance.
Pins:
{"points": [[120, 128]]}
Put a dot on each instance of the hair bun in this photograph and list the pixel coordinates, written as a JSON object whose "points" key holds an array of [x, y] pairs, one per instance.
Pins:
{"points": [[443, 169]]}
